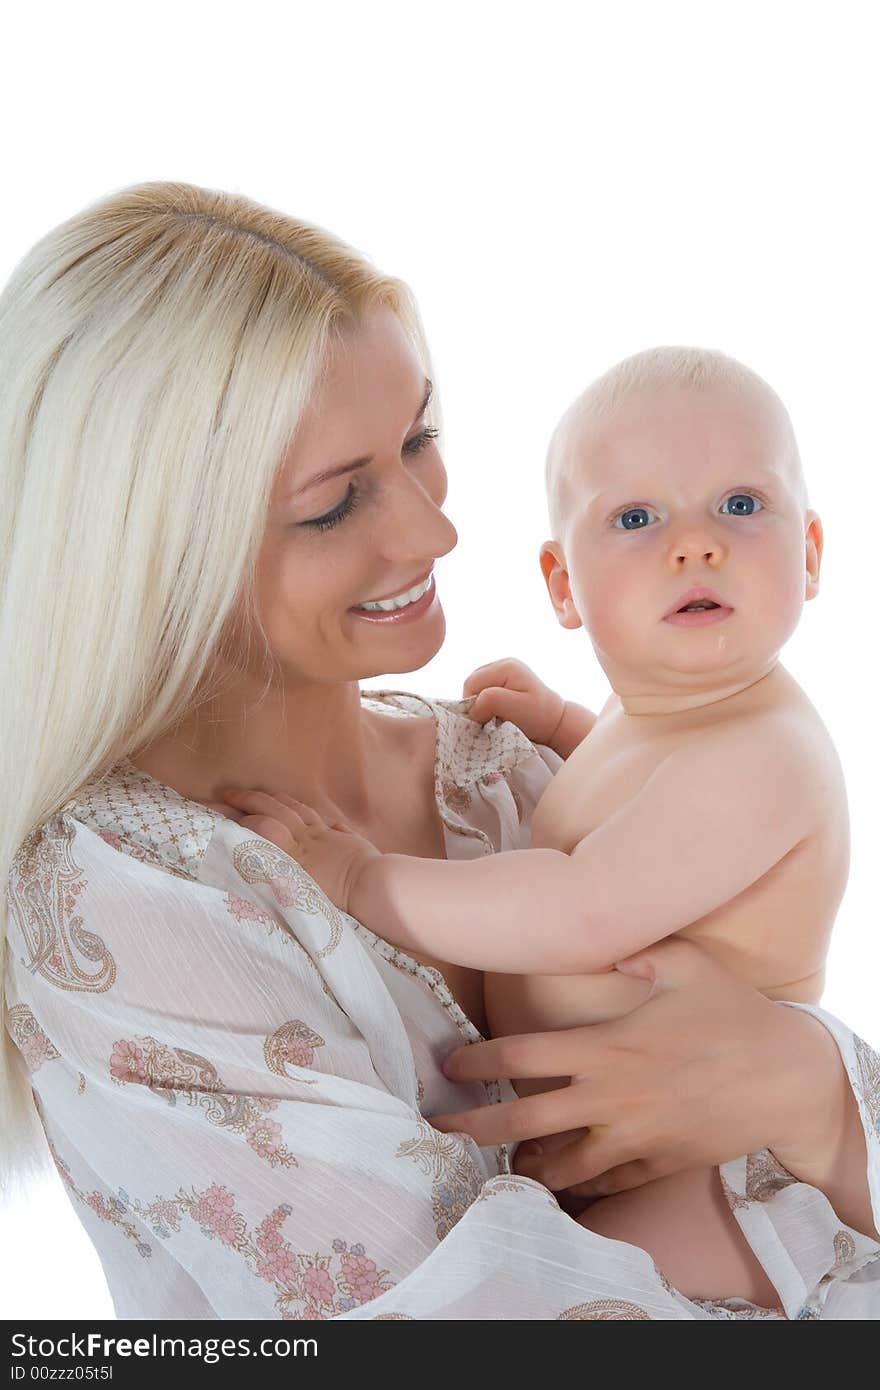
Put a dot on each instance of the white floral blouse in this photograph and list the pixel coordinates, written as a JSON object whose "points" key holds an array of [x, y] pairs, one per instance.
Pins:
{"points": [[233, 1075]]}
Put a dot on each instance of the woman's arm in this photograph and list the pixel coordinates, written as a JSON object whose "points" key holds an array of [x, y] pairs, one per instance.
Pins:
{"points": [[825, 1144], [705, 1070]]}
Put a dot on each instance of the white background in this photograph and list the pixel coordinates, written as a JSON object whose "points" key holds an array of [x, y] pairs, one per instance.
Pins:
{"points": [[562, 184]]}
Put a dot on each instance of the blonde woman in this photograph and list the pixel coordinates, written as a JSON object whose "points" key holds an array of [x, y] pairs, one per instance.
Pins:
{"points": [[220, 465]]}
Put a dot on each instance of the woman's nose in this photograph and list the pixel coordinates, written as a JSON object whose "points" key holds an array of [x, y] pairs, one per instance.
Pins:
{"points": [[415, 527]]}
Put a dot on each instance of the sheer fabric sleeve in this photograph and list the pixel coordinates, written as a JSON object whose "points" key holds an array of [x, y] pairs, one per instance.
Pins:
{"points": [[231, 1101], [820, 1267]]}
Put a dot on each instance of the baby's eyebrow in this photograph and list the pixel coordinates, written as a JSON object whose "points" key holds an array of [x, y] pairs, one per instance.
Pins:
{"points": [[338, 469]]}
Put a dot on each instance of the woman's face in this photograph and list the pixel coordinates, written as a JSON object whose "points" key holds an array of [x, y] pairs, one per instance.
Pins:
{"points": [[355, 518]]}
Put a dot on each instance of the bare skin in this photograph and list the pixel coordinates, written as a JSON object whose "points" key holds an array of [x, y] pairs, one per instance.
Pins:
{"points": [[310, 734], [706, 800]]}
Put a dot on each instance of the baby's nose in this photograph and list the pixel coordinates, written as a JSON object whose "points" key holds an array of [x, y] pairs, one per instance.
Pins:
{"points": [[698, 544]]}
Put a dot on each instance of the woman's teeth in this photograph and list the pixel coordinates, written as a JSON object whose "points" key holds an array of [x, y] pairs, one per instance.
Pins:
{"points": [[384, 605]]}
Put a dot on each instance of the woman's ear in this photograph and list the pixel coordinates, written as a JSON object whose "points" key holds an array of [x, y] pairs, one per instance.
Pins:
{"points": [[814, 543], [556, 578]]}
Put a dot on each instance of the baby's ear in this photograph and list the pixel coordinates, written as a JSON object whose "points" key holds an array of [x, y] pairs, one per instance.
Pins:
{"points": [[814, 544], [555, 574]]}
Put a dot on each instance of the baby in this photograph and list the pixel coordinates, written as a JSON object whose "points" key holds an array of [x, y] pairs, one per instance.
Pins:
{"points": [[705, 800]]}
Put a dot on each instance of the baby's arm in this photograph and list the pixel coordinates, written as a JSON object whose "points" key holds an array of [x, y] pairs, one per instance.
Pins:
{"points": [[710, 821]]}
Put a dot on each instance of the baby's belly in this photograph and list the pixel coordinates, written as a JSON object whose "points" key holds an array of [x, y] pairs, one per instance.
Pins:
{"points": [[539, 1003]]}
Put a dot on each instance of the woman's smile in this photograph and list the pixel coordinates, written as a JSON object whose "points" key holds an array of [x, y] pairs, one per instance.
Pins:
{"points": [[404, 607]]}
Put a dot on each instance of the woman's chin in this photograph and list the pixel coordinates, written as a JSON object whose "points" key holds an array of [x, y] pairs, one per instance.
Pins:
{"points": [[408, 648]]}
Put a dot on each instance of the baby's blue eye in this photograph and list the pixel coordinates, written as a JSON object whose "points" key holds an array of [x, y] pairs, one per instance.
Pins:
{"points": [[633, 519], [741, 504]]}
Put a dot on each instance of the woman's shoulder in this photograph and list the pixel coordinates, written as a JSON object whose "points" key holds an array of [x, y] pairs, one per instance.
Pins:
{"points": [[467, 752]]}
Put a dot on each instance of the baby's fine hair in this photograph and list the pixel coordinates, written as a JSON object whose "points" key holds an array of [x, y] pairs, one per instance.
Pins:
{"points": [[655, 369]]}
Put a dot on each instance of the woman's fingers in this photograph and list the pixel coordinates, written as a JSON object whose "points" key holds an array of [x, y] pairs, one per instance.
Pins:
{"points": [[620, 1179], [567, 1052], [578, 1163], [531, 1117]]}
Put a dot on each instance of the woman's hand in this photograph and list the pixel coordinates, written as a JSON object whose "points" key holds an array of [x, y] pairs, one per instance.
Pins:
{"points": [[333, 855], [705, 1070], [511, 690]]}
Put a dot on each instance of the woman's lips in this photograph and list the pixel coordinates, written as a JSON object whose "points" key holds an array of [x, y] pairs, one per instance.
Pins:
{"points": [[699, 618], [409, 614]]}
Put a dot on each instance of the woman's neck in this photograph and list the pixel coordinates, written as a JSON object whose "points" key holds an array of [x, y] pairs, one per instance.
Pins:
{"points": [[316, 743]]}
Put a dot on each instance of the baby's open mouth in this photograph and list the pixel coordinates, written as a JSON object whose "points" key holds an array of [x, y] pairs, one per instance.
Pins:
{"points": [[698, 606]]}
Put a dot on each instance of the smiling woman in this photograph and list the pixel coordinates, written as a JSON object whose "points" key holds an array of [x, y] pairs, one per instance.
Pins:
{"points": [[218, 454]]}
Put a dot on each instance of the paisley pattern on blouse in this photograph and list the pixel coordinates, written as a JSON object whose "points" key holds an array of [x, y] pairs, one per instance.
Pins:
{"points": [[210, 948], [735, 1200], [245, 910], [605, 1310], [29, 1037], [311, 1286], [106, 1208], [765, 1176], [868, 1063], [172, 1072], [511, 1185], [455, 1182], [44, 884], [844, 1250], [293, 1044], [259, 861]]}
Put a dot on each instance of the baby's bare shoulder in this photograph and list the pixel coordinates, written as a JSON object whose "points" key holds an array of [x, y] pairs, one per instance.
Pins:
{"points": [[787, 741]]}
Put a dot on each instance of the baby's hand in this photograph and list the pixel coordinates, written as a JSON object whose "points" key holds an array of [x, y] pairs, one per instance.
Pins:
{"points": [[333, 855], [510, 690]]}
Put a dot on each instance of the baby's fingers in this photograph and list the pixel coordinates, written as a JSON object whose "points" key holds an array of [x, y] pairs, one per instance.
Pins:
{"points": [[496, 700], [306, 813], [271, 829], [502, 672], [254, 803]]}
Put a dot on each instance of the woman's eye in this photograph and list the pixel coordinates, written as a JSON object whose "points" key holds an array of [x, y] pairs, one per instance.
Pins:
{"points": [[420, 441], [741, 504], [634, 519], [346, 506], [352, 497]]}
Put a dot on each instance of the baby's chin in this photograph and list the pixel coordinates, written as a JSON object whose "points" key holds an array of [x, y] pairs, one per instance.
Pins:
{"points": [[701, 669]]}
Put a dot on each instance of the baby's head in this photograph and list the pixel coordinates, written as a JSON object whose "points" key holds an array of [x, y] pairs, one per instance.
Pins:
{"points": [[678, 470]]}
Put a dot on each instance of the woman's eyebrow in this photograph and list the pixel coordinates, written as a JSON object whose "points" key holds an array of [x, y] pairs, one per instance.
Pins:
{"points": [[339, 469]]}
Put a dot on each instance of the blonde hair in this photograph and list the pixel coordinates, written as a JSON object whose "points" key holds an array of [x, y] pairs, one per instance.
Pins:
{"points": [[156, 352], [653, 370]]}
